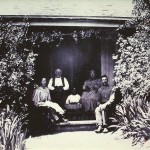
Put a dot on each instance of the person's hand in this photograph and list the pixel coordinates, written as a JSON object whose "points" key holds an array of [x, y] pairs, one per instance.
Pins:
{"points": [[64, 88], [52, 88], [41, 103], [87, 88], [91, 88], [95, 87], [98, 103], [102, 106]]}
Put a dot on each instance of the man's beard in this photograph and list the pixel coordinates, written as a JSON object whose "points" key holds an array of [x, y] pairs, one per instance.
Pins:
{"points": [[105, 84]]}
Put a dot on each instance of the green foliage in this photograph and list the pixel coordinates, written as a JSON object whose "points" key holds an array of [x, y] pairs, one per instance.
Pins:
{"points": [[132, 74], [16, 61], [134, 121], [56, 37], [12, 135], [141, 7], [132, 70]]}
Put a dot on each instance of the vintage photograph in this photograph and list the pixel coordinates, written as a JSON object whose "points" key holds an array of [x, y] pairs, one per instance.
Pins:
{"points": [[74, 75]]}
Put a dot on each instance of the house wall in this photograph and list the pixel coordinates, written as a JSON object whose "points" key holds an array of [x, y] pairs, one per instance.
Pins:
{"points": [[113, 8]]}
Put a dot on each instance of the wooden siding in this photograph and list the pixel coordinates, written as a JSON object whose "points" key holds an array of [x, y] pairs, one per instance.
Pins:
{"points": [[113, 8]]}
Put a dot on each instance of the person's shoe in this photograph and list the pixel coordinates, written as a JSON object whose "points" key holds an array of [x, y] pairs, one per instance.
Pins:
{"points": [[99, 129], [97, 125], [105, 130], [64, 120]]}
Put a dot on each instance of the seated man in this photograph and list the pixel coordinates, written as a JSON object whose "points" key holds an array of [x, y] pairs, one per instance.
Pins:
{"points": [[41, 97], [73, 101], [105, 98]]}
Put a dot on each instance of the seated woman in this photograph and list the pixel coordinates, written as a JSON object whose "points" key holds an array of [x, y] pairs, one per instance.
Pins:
{"points": [[41, 97], [89, 98], [73, 101]]}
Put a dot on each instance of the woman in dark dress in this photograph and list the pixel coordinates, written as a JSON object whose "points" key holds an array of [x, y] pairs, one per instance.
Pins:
{"points": [[89, 98]]}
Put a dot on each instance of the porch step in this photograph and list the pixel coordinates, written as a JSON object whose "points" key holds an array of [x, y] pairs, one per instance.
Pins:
{"points": [[79, 115], [70, 126]]}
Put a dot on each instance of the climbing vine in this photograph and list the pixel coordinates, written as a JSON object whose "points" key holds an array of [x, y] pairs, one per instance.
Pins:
{"points": [[132, 73], [57, 36], [16, 62]]}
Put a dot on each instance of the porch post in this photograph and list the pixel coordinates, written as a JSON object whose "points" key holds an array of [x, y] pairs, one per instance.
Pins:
{"points": [[107, 64]]}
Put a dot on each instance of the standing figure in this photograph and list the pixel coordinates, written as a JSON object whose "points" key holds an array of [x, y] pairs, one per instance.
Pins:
{"points": [[89, 98], [105, 97], [58, 86], [42, 98]]}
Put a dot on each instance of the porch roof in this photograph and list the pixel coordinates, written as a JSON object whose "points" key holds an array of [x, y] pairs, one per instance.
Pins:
{"points": [[84, 8]]}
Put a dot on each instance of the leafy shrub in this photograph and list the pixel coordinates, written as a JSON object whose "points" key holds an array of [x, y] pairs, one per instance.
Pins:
{"points": [[12, 131], [134, 121], [16, 62], [132, 74]]}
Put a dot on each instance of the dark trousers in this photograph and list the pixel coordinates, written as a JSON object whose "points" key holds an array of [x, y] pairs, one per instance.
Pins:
{"points": [[58, 96]]}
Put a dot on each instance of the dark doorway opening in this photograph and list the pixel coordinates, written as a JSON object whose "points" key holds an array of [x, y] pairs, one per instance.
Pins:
{"points": [[74, 58]]}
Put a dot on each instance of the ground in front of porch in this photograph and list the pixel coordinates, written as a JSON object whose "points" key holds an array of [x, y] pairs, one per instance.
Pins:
{"points": [[80, 140]]}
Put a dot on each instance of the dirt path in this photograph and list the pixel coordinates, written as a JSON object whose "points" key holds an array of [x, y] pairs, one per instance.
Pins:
{"points": [[81, 140]]}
